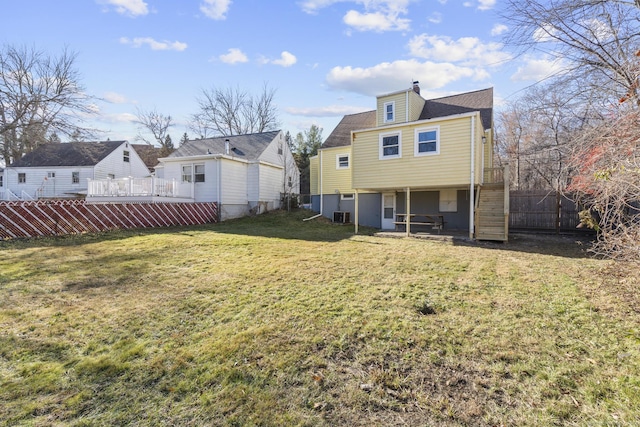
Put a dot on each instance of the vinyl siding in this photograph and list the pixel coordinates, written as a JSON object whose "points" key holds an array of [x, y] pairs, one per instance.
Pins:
{"points": [[449, 168], [253, 182], [336, 180], [400, 115], [114, 164], [271, 184], [234, 182], [38, 186], [314, 167], [416, 104]]}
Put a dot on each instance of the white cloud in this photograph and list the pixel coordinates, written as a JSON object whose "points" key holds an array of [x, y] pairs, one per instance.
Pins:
{"points": [[469, 51], [234, 56], [154, 44], [544, 34], [115, 98], [499, 29], [435, 18], [128, 7], [486, 4], [286, 59], [215, 9], [376, 21], [326, 111], [120, 118], [536, 69], [377, 15], [389, 76]]}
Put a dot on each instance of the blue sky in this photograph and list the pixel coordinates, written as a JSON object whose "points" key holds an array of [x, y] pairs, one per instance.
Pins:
{"points": [[324, 58]]}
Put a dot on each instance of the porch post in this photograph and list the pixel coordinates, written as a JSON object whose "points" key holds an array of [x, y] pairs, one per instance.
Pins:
{"points": [[408, 211], [355, 220]]}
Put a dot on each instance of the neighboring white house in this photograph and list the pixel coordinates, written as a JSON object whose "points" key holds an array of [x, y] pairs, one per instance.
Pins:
{"points": [[2, 189], [243, 173], [63, 170]]}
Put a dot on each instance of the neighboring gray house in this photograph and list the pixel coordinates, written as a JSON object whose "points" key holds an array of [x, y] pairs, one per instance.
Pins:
{"points": [[243, 173], [63, 170]]}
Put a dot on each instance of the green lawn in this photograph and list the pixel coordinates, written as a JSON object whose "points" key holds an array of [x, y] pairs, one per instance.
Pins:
{"points": [[275, 321]]}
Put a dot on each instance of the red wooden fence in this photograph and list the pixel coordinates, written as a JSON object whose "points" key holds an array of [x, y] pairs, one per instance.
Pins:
{"points": [[58, 217]]}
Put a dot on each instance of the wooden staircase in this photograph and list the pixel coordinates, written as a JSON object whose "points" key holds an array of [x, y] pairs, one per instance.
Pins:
{"points": [[492, 209]]}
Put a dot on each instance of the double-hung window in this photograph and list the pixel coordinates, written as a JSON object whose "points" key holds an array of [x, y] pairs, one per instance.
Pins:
{"points": [[390, 145], [198, 173], [389, 112], [427, 141], [22, 178], [125, 156], [75, 177], [342, 161], [186, 174]]}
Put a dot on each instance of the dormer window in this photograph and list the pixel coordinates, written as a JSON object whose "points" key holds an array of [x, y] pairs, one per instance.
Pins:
{"points": [[389, 112]]}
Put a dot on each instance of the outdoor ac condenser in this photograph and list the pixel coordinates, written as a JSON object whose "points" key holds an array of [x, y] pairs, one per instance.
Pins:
{"points": [[341, 217]]}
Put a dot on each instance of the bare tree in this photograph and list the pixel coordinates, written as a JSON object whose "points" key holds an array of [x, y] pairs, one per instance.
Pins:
{"points": [[158, 125], [224, 112], [596, 39], [39, 94]]}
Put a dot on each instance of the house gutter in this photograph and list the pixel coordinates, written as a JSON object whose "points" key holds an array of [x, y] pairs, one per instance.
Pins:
{"points": [[472, 182]]}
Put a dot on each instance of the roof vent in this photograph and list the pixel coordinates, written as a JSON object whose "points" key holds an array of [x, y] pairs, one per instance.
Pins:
{"points": [[226, 146]]}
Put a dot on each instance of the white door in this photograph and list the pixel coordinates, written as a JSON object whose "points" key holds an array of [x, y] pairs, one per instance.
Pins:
{"points": [[388, 211]]}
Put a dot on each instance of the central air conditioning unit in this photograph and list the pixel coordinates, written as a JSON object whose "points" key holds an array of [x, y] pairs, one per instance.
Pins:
{"points": [[341, 217]]}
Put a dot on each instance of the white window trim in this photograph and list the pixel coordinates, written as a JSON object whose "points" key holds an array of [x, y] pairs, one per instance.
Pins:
{"points": [[347, 196], [338, 161], [393, 112], [72, 181], [381, 149], [415, 144], [204, 176]]}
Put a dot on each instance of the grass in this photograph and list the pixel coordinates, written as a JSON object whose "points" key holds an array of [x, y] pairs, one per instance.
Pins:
{"points": [[271, 321]]}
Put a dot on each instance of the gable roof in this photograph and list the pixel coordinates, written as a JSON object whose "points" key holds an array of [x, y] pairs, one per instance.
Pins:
{"points": [[479, 100], [247, 147], [68, 154], [341, 135]]}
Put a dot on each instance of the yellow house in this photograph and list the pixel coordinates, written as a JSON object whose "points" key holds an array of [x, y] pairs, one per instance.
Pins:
{"points": [[432, 159]]}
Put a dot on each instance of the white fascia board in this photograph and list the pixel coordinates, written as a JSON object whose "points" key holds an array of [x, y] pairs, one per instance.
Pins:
{"points": [[418, 122]]}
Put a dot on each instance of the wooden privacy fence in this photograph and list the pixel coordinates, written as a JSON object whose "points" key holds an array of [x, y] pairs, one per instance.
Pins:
{"points": [[543, 211], [52, 218]]}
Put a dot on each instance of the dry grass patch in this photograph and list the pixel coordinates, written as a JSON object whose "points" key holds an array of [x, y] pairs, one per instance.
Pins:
{"points": [[272, 321]]}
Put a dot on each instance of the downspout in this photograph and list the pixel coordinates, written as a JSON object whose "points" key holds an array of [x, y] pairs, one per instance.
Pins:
{"points": [[219, 188], [472, 183], [356, 212], [406, 118]]}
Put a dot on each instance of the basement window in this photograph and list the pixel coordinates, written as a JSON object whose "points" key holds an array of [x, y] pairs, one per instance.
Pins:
{"points": [[347, 196]]}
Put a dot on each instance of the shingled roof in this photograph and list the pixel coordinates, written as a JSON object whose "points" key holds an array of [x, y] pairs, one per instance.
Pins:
{"points": [[68, 154], [248, 147], [479, 100], [148, 154], [341, 135]]}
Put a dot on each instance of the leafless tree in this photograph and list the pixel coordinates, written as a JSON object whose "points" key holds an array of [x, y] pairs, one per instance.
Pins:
{"points": [[158, 125], [224, 112], [39, 94]]}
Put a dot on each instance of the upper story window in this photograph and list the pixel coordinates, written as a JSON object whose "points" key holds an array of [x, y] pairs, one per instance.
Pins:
{"points": [[22, 178], [427, 141], [125, 156], [342, 161], [198, 173], [389, 111], [75, 177], [390, 145]]}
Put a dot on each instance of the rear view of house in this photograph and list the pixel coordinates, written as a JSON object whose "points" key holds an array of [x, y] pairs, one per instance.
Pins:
{"points": [[63, 170], [415, 164]]}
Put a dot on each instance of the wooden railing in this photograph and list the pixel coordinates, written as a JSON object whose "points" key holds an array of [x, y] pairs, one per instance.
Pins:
{"points": [[493, 176], [128, 187]]}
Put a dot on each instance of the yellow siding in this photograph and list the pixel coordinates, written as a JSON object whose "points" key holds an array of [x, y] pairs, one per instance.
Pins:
{"points": [[416, 104], [400, 100], [333, 178], [313, 170], [451, 167]]}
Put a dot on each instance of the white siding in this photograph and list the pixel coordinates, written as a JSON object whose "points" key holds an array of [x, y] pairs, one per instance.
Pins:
{"points": [[114, 164], [38, 184], [270, 154], [253, 182], [271, 184], [234, 182]]}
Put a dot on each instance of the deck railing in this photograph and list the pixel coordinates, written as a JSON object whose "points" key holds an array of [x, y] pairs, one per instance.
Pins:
{"points": [[494, 175], [132, 187]]}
